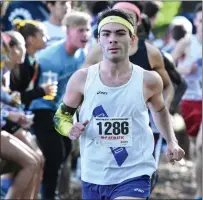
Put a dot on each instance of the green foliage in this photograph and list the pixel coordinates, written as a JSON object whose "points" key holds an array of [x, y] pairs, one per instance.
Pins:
{"points": [[168, 11]]}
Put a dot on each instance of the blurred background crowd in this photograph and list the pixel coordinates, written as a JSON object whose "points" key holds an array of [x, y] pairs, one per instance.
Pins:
{"points": [[42, 44]]}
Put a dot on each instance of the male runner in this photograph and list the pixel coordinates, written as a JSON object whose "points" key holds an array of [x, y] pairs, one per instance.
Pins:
{"points": [[148, 57], [116, 142]]}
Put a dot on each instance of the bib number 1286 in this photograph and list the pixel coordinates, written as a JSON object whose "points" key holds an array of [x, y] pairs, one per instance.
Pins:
{"points": [[113, 131], [113, 128]]}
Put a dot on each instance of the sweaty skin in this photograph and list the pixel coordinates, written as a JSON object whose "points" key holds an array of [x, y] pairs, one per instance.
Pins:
{"points": [[155, 59]]}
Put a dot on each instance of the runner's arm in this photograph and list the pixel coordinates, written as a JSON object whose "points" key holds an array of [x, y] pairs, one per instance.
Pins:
{"points": [[72, 99], [157, 107], [157, 64]]}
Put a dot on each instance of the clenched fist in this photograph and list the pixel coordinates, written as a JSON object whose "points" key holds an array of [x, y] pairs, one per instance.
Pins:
{"points": [[77, 130], [174, 152]]}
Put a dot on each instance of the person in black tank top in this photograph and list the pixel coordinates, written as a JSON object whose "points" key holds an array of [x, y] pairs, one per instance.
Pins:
{"points": [[140, 57]]}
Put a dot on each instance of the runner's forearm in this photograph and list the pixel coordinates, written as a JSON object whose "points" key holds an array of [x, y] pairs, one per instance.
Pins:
{"points": [[63, 119], [168, 94], [164, 125]]}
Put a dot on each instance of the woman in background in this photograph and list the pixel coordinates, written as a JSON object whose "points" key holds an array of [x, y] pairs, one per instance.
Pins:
{"points": [[15, 155], [24, 77]]}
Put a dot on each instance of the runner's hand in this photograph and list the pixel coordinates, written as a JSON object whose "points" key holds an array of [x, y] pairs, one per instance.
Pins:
{"points": [[174, 152], [77, 130]]}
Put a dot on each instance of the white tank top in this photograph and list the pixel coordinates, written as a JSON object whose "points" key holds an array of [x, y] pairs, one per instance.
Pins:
{"points": [[126, 102], [194, 81]]}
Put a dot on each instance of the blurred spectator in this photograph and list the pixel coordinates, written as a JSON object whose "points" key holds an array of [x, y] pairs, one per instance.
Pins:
{"points": [[3, 7], [178, 29], [198, 164], [17, 124], [55, 29], [5, 50], [14, 52], [24, 77], [180, 20], [36, 10], [151, 9], [94, 8], [13, 121], [18, 158], [34, 33], [186, 9], [178, 32], [63, 58], [17, 41], [188, 54], [144, 28], [16, 55]]}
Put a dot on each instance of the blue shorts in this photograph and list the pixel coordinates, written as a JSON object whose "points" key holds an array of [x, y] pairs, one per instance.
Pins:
{"points": [[134, 187]]}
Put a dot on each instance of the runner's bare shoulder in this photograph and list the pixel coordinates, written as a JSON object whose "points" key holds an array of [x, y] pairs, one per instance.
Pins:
{"points": [[78, 80], [80, 75], [153, 83]]}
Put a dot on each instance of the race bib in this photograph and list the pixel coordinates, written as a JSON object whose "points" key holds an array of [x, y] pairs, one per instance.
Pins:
{"points": [[113, 131]]}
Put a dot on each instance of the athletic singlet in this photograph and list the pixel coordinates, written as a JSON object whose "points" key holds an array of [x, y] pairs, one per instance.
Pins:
{"points": [[118, 123], [194, 81]]}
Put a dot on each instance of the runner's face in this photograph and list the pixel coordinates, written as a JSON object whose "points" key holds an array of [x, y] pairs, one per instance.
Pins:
{"points": [[115, 41]]}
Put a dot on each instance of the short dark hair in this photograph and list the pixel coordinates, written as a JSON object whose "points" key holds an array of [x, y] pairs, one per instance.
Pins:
{"points": [[178, 32], [115, 12], [151, 8], [144, 28], [51, 2], [28, 28], [100, 6], [198, 8]]}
